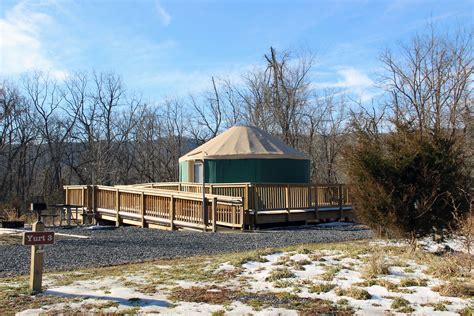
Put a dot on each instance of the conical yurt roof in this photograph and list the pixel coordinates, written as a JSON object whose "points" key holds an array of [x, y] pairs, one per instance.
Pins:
{"points": [[244, 142]]}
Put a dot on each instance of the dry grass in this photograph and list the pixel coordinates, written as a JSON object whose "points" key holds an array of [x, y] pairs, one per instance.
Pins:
{"points": [[330, 273], [405, 282], [283, 260], [303, 250], [375, 266], [11, 214], [450, 266], [454, 289], [321, 287], [465, 232], [354, 292], [298, 265], [279, 273], [381, 282], [284, 283], [401, 305], [466, 311]]}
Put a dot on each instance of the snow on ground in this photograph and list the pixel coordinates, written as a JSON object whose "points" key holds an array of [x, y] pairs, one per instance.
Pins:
{"points": [[452, 243], [344, 275]]}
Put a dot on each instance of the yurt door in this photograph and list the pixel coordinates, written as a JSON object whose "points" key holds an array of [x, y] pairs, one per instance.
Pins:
{"points": [[198, 168]]}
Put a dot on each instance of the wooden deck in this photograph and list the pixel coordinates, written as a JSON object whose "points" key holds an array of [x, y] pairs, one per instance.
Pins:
{"points": [[236, 206]]}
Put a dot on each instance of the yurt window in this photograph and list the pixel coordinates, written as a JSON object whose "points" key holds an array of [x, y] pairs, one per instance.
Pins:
{"points": [[198, 168]]}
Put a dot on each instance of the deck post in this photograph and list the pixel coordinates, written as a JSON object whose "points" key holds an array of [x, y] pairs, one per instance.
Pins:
{"points": [[340, 203], [83, 199], [179, 187], [172, 212], [211, 189], [316, 198], [246, 197], [117, 207], [242, 217], [89, 199], [205, 217], [94, 202], [234, 216], [287, 202], [309, 197], [67, 196], [214, 214], [142, 208], [255, 206]]}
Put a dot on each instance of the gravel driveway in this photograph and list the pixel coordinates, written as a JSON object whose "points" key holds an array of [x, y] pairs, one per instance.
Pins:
{"points": [[134, 244]]}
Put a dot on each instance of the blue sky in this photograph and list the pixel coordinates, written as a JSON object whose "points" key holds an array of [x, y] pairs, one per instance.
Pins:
{"points": [[168, 48]]}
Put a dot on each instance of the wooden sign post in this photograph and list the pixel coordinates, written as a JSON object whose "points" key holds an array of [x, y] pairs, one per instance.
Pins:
{"points": [[37, 239]]}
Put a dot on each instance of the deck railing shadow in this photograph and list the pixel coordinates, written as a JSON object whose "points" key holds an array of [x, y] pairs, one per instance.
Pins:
{"points": [[122, 301]]}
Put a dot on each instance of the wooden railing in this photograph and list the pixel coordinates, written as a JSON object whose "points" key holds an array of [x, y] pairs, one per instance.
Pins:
{"points": [[157, 206], [270, 196], [77, 194], [180, 204]]}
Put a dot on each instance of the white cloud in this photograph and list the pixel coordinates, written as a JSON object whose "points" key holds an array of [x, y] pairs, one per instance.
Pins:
{"points": [[21, 48], [172, 82], [352, 81], [354, 78], [164, 16]]}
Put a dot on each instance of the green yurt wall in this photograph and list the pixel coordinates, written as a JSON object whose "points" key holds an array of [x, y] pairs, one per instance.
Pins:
{"points": [[245, 154]]}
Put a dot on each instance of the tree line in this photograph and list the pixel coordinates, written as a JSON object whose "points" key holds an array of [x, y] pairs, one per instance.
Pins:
{"points": [[90, 129]]}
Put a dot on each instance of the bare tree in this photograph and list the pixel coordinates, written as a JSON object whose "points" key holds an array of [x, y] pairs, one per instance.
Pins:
{"points": [[18, 155], [289, 92], [108, 95], [328, 134], [429, 82], [46, 98], [209, 115]]}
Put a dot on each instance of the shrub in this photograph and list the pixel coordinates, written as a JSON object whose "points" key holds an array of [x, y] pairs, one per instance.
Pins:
{"points": [[406, 184]]}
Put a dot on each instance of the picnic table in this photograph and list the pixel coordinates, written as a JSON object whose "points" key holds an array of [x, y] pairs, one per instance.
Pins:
{"points": [[66, 209]]}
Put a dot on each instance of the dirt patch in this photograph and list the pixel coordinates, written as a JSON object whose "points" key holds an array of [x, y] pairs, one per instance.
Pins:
{"points": [[222, 295], [210, 295]]}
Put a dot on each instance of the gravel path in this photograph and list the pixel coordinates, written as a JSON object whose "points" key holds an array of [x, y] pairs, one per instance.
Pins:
{"points": [[134, 244]]}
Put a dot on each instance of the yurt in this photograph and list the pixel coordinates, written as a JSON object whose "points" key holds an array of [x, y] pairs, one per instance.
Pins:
{"points": [[244, 154]]}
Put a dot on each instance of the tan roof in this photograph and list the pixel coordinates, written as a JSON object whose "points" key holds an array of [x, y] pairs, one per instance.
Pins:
{"points": [[244, 142]]}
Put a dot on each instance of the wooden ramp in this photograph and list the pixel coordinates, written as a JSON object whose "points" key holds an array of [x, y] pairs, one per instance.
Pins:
{"points": [[150, 207]]}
